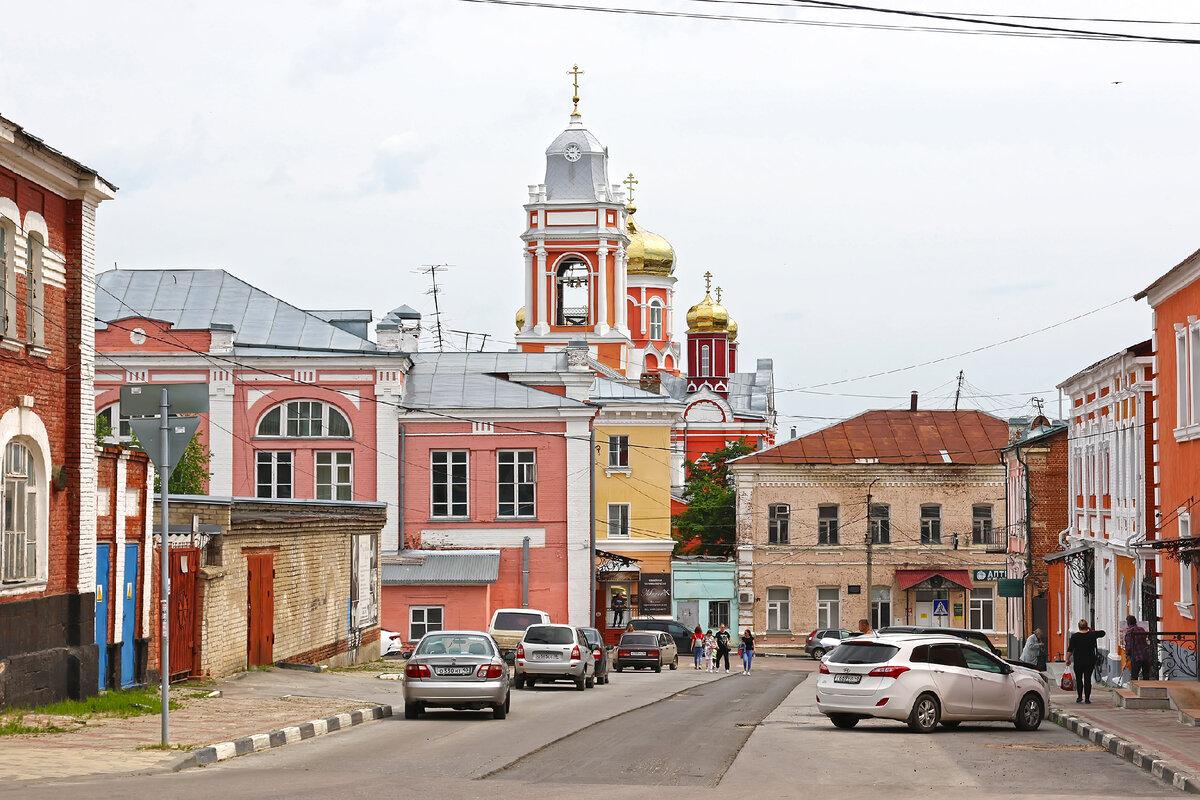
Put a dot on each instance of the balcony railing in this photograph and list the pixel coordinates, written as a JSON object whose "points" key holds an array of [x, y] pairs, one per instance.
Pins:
{"points": [[992, 540]]}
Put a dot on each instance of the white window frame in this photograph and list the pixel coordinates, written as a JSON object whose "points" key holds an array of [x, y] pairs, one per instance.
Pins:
{"points": [[35, 300], [829, 610], [340, 487], [618, 452], [621, 529], [931, 524], [705, 361], [779, 609], [656, 320], [122, 430], [982, 605], [524, 473], [881, 596], [779, 517], [1187, 598], [426, 625], [8, 282], [451, 466], [22, 541], [273, 459], [290, 412]]}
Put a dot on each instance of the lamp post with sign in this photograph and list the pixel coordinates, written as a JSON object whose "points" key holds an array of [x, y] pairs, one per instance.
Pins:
{"points": [[164, 439]]}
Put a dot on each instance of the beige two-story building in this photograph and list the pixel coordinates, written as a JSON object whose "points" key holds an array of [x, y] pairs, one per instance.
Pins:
{"points": [[928, 485]]}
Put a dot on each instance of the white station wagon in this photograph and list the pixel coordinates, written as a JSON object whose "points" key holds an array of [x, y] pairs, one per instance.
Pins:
{"points": [[924, 680]]}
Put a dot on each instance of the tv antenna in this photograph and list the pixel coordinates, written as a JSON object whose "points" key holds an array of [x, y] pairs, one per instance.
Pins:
{"points": [[432, 271]]}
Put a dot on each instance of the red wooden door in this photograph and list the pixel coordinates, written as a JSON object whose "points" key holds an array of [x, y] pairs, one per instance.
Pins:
{"points": [[260, 607], [184, 562]]}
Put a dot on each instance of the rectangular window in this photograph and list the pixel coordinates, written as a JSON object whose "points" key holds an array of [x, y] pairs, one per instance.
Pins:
{"points": [[4, 280], [1182, 379], [778, 521], [618, 452], [981, 525], [829, 607], [656, 322], [931, 524], [1194, 383], [827, 524], [448, 473], [19, 557], [34, 305], [1186, 582], [516, 481], [618, 520], [880, 524], [881, 606], [718, 613], [304, 418], [705, 362], [779, 609], [982, 610], [274, 473], [423, 620], [335, 475]]}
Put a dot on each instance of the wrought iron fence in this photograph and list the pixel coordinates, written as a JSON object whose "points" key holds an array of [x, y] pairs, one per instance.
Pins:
{"points": [[1176, 651]]}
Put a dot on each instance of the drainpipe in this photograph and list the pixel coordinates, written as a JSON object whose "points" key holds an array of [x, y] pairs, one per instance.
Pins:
{"points": [[400, 511], [1026, 601], [592, 528], [525, 572]]}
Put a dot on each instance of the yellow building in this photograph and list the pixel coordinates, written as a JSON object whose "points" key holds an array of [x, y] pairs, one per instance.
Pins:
{"points": [[632, 510]]}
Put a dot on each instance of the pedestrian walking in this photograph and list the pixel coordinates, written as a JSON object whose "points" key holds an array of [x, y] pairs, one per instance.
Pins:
{"points": [[697, 647], [1033, 645], [1137, 650], [619, 604], [722, 651], [710, 647], [747, 651], [1081, 650]]}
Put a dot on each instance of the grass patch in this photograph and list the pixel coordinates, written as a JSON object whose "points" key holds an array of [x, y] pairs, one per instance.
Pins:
{"points": [[379, 665], [131, 703], [16, 726], [165, 747]]}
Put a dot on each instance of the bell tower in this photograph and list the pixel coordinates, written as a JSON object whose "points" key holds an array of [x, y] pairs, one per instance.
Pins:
{"points": [[575, 251], [711, 354]]}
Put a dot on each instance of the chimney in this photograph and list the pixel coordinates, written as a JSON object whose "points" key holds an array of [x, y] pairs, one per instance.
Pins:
{"points": [[650, 382], [912, 404], [400, 329], [793, 431]]}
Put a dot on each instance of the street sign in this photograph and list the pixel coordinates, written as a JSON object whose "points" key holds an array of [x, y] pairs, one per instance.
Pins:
{"points": [[180, 431], [941, 607], [145, 400]]}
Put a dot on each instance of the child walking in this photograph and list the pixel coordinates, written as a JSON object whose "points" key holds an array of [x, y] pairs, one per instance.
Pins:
{"points": [[710, 648]]}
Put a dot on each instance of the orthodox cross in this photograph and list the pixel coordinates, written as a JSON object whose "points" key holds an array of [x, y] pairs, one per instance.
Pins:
{"points": [[575, 71], [718, 294], [707, 281], [630, 182]]}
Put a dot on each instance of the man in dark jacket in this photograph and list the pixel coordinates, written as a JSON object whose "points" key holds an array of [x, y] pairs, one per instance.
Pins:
{"points": [[1081, 650], [722, 649], [1137, 650]]}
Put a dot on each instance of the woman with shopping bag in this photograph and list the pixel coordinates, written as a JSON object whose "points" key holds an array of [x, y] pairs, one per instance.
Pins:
{"points": [[1081, 650]]}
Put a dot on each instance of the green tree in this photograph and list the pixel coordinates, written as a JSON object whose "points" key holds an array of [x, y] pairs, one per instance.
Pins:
{"points": [[191, 474], [708, 526]]}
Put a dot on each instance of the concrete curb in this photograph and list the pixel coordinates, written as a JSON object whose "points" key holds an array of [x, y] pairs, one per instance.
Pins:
{"points": [[1166, 771], [221, 751]]}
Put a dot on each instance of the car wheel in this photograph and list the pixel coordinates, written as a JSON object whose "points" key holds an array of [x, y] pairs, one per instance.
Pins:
{"points": [[657, 668], [925, 714], [846, 721], [950, 723], [818, 653], [590, 682], [619, 669], [675, 663], [519, 681], [581, 683], [1030, 713], [412, 710], [501, 711]]}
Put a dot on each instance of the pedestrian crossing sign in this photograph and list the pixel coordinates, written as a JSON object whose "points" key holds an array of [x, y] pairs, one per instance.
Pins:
{"points": [[941, 608]]}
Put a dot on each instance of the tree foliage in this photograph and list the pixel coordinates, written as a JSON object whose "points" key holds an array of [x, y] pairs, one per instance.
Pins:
{"points": [[191, 474], [708, 526]]}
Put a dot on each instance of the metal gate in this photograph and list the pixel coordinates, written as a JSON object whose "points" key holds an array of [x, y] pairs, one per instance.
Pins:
{"points": [[184, 561]]}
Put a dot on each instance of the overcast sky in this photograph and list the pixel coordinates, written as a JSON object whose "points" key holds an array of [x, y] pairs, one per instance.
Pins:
{"points": [[868, 199]]}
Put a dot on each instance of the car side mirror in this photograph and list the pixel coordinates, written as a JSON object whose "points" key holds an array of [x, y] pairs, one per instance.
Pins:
{"points": [[406, 654]]}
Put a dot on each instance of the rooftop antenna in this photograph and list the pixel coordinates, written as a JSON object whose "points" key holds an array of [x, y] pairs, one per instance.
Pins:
{"points": [[958, 391], [432, 271]]}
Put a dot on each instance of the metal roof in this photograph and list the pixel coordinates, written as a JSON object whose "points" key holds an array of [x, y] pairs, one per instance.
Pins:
{"points": [[749, 395], [480, 380], [604, 389], [896, 437], [441, 568], [198, 299]]}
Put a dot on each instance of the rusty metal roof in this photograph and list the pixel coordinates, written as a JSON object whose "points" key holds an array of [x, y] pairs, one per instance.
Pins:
{"points": [[896, 437]]}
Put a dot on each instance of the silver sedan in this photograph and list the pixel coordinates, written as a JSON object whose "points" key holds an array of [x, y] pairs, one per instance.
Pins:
{"points": [[463, 670]]}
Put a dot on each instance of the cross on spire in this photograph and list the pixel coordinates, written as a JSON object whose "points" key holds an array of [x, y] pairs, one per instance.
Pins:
{"points": [[707, 281], [718, 294], [575, 72], [630, 182]]}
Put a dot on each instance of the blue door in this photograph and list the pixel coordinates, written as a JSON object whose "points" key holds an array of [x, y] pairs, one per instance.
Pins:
{"points": [[103, 554], [129, 614]]}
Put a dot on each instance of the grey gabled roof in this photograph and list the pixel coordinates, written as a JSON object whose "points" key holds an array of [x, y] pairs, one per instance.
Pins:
{"points": [[749, 395], [478, 381], [441, 568], [196, 299]]}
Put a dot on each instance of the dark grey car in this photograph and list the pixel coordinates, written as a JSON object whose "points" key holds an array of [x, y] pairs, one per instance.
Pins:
{"points": [[601, 652]]}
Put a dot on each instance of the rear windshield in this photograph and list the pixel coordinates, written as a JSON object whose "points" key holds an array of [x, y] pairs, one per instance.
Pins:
{"points": [[593, 637], [862, 653], [639, 639], [515, 620], [549, 634], [437, 644]]}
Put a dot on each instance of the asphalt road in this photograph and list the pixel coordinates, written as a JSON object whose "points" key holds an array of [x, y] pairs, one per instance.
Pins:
{"points": [[673, 735]]}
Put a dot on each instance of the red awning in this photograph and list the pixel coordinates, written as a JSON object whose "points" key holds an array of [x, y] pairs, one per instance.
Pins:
{"points": [[908, 578]]}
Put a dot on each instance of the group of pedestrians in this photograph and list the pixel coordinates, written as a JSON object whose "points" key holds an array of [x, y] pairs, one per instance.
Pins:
{"points": [[710, 649]]}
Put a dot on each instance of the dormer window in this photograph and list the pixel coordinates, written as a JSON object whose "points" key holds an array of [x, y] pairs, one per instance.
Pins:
{"points": [[304, 419], [574, 292]]}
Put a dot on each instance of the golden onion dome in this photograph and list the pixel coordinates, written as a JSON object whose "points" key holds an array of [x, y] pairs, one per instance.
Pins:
{"points": [[732, 329], [520, 319], [649, 253], [707, 316]]}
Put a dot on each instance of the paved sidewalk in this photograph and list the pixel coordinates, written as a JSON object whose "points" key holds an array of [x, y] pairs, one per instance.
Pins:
{"points": [[1142, 736], [291, 704]]}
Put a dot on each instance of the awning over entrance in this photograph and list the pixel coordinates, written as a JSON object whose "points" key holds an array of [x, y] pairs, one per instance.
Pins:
{"points": [[614, 562], [1074, 551], [908, 578]]}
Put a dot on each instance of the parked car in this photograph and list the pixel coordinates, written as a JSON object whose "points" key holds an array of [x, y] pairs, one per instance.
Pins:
{"points": [[822, 640], [925, 680], [974, 637], [680, 633], [601, 652], [646, 650], [508, 626], [390, 643], [456, 669], [548, 653]]}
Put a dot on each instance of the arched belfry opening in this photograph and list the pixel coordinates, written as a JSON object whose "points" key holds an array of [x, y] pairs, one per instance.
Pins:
{"points": [[574, 292]]}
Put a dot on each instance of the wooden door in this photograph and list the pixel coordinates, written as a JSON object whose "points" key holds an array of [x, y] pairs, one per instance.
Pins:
{"points": [[260, 608], [184, 562]]}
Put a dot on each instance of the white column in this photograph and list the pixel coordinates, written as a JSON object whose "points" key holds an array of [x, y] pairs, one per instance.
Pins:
{"points": [[622, 300], [602, 291], [580, 558], [220, 432], [387, 459], [540, 272], [529, 279], [85, 424]]}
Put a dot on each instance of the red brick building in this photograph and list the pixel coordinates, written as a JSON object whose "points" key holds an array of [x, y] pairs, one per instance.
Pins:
{"points": [[48, 208]]}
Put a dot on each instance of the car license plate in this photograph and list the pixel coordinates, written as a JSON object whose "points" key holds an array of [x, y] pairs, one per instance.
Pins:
{"points": [[637, 652], [545, 656], [846, 677], [453, 670]]}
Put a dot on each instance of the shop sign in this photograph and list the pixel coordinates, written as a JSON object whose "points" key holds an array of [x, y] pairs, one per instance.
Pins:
{"points": [[654, 591], [989, 574]]}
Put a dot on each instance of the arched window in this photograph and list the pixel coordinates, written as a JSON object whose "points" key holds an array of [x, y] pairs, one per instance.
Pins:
{"points": [[19, 554], [304, 419], [7, 282], [574, 292], [656, 320], [118, 426], [705, 362], [34, 302]]}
